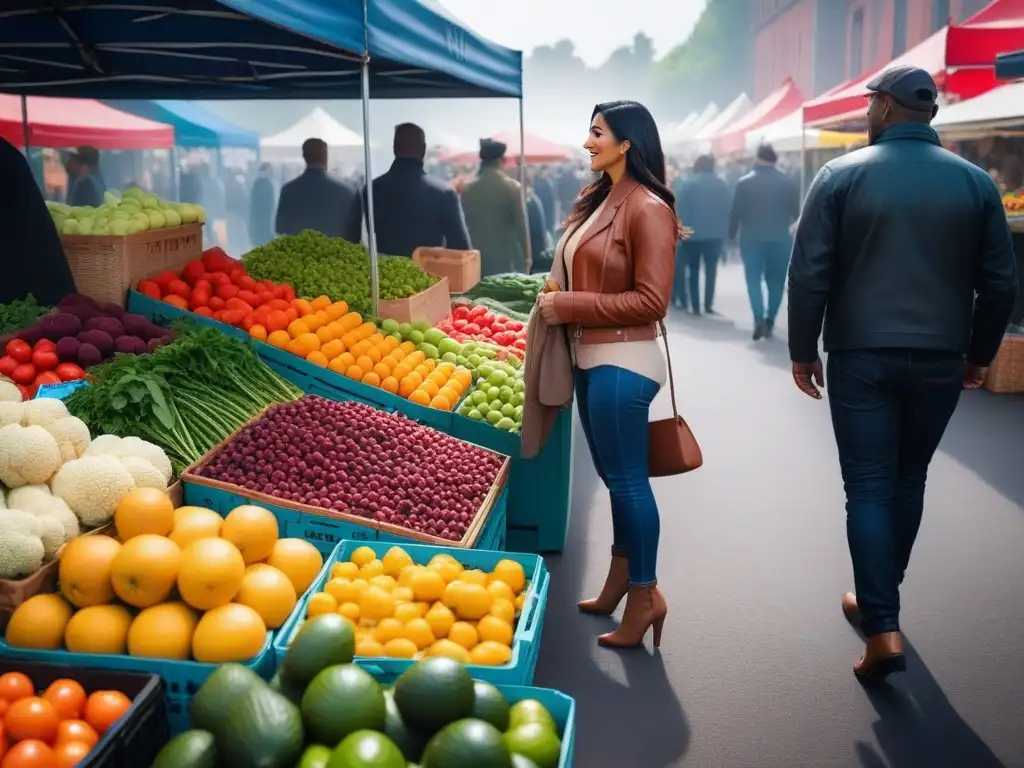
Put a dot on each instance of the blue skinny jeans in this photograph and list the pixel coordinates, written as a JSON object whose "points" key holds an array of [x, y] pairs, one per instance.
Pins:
{"points": [[614, 404], [765, 265]]}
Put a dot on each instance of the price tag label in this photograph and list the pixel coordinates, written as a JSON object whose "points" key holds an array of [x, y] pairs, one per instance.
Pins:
{"points": [[60, 391]]}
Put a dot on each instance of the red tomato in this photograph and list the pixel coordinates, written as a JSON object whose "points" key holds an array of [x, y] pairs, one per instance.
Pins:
{"points": [[233, 317], [459, 323], [77, 730], [219, 278], [24, 374], [199, 299], [289, 293], [29, 754], [501, 319], [45, 344], [216, 303], [203, 285], [193, 271], [19, 350], [15, 685], [246, 283], [45, 359], [46, 377], [486, 332], [478, 311], [165, 278], [514, 325], [461, 312], [237, 272], [248, 297], [179, 288], [485, 320], [227, 291], [279, 291], [67, 697], [26, 393], [151, 289], [520, 344], [497, 327], [7, 365], [70, 372], [215, 260], [263, 297], [204, 311], [471, 328]]}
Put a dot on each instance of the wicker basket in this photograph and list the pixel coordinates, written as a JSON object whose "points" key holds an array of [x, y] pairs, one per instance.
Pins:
{"points": [[1006, 374], [462, 268], [106, 267], [432, 305]]}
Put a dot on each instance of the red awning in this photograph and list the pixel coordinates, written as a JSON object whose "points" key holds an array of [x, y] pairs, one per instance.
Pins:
{"points": [[538, 150], [997, 28], [58, 123], [776, 105]]}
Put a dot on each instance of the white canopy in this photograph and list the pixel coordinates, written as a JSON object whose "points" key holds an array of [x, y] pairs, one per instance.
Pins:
{"points": [[785, 135], [316, 125], [691, 125], [701, 140], [1001, 109]]}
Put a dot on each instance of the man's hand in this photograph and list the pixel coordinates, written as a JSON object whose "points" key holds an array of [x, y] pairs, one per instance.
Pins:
{"points": [[974, 376], [806, 375]]}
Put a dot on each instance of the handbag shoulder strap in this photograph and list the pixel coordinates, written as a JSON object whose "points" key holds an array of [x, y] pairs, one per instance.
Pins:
{"points": [[668, 360]]}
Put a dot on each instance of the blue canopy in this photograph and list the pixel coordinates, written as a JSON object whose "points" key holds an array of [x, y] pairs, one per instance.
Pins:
{"points": [[194, 126], [1010, 66], [247, 49]]}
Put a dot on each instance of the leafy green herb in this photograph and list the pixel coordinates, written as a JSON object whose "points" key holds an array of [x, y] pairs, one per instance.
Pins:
{"points": [[20, 313]]}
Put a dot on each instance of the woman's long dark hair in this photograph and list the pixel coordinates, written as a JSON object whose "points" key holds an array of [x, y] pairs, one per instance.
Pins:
{"points": [[645, 161]]}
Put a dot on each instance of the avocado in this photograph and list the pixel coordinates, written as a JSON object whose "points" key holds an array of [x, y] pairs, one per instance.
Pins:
{"points": [[434, 693], [489, 705], [367, 749], [409, 741], [191, 749], [537, 742], [210, 703], [467, 744], [262, 729], [341, 700], [322, 642]]}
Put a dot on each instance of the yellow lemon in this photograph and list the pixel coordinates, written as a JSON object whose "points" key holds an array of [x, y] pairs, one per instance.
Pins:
{"points": [[447, 566], [407, 612], [440, 619], [475, 576], [422, 607], [362, 556], [420, 632], [322, 602], [490, 654], [376, 604], [384, 582], [474, 603], [387, 630], [494, 629], [427, 585], [464, 634], [501, 590], [453, 592], [400, 648], [344, 571], [349, 611], [406, 574], [449, 650], [504, 610], [403, 595], [510, 572], [371, 569], [520, 599], [369, 647], [395, 559], [341, 590]]}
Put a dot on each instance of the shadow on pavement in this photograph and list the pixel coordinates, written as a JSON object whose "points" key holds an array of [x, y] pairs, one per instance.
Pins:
{"points": [[980, 437], [626, 711], [918, 727]]}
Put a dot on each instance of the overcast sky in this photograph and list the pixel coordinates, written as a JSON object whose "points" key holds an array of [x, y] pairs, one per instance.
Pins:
{"points": [[597, 27]]}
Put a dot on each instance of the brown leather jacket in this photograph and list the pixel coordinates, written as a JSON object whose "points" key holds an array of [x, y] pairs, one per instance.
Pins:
{"points": [[622, 269]]}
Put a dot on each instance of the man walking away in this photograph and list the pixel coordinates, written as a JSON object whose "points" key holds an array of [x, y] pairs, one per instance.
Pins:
{"points": [[765, 204], [494, 214], [545, 192], [262, 201], [85, 182], [411, 209], [315, 200], [904, 251], [703, 205]]}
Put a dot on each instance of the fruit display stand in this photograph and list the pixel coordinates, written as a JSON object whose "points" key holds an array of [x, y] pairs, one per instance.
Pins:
{"points": [[137, 737], [105, 267], [526, 641], [325, 529]]}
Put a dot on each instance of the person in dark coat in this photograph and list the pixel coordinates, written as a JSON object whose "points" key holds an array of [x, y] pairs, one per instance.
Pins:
{"points": [[410, 208], [315, 200], [190, 186], [494, 213], [702, 205], [545, 192], [262, 202], [764, 206], [32, 259], [904, 252], [540, 234], [84, 177]]}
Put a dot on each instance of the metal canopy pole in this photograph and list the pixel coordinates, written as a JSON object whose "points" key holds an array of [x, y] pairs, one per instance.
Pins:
{"points": [[371, 230], [522, 188]]}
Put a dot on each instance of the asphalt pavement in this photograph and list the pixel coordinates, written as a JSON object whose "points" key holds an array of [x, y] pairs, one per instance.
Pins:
{"points": [[755, 665]]}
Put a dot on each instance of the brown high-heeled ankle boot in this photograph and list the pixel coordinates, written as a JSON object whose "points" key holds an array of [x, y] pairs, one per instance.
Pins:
{"points": [[645, 608], [882, 657], [616, 585]]}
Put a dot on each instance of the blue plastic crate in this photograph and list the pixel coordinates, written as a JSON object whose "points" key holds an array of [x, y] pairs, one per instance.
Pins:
{"points": [[540, 489], [162, 313], [562, 708], [181, 678], [526, 641]]}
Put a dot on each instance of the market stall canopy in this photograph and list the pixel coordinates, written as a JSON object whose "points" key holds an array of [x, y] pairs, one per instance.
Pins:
{"points": [[778, 104], [247, 49], [682, 134], [58, 123], [194, 125], [964, 68], [680, 128], [701, 139], [998, 110], [538, 150], [317, 124], [789, 135]]}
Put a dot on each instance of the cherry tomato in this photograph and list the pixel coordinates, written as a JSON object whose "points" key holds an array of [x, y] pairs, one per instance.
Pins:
{"points": [[31, 753], [7, 365], [151, 289], [69, 754], [45, 359], [165, 278], [70, 372], [179, 288], [77, 730], [193, 271], [20, 350], [104, 708], [44, 344], [24, 374], [32, 718], [67, 697], [45, 378], [15, 685]]}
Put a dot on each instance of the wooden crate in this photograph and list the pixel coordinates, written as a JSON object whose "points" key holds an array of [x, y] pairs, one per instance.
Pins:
{"points": [[432, 305], [1006, 374], [462, 268], [105, 267]]}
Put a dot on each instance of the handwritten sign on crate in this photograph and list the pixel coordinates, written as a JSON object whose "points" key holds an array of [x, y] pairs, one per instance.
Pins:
{"points": [[175, 243]]}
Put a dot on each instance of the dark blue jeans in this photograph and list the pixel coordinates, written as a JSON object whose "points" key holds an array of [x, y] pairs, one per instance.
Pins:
{"points": [[613, 406], [765, 265], [695, 251], [890, 408]]}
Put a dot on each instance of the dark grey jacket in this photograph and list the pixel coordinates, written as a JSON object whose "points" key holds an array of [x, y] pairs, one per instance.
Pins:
{"points": [[703, 204], [411, 209], [765, 204], [901, 245], [315, 200]]}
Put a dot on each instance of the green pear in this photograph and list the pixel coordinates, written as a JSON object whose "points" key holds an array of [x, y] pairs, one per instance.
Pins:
{"points": [[156, 219], [150, 201], [188, 213], [200, 214], [71, 227], [172, 216], [142, 220], [111, 197], [121, 214], [137, 226], [120, 226], [132, 193], [104, 230], [85, 226]]}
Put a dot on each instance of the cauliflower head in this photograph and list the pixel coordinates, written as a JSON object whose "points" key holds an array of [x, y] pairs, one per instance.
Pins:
{"points": [[93, 486], [28, 455], [134, 446], [42, 411], [144, 473], [21, 548], [11, 412], [8, 392], [102, 445], [37, 500], [72, 436]]}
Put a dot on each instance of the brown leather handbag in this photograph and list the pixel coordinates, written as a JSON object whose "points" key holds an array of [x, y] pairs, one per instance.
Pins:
{"points": [[672, 448]]}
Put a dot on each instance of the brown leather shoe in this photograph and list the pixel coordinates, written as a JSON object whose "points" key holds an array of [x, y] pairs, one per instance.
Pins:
{"points": [[882, 657], [645, 608], [616, 585]]}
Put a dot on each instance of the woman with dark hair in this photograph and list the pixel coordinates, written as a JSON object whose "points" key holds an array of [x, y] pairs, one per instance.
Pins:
{"points": [[614, 267]]}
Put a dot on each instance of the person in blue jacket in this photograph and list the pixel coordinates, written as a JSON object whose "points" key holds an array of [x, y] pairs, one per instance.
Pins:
{"points": [[703, 205]]}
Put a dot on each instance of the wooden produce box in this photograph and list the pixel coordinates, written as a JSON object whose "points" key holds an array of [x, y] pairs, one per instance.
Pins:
{"points": [[105, 267], [432, 305], [1006, 374], [462, 268]]}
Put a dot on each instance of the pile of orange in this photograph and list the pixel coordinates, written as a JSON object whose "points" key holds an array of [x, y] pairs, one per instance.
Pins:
{"points": [[328, 335]]}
